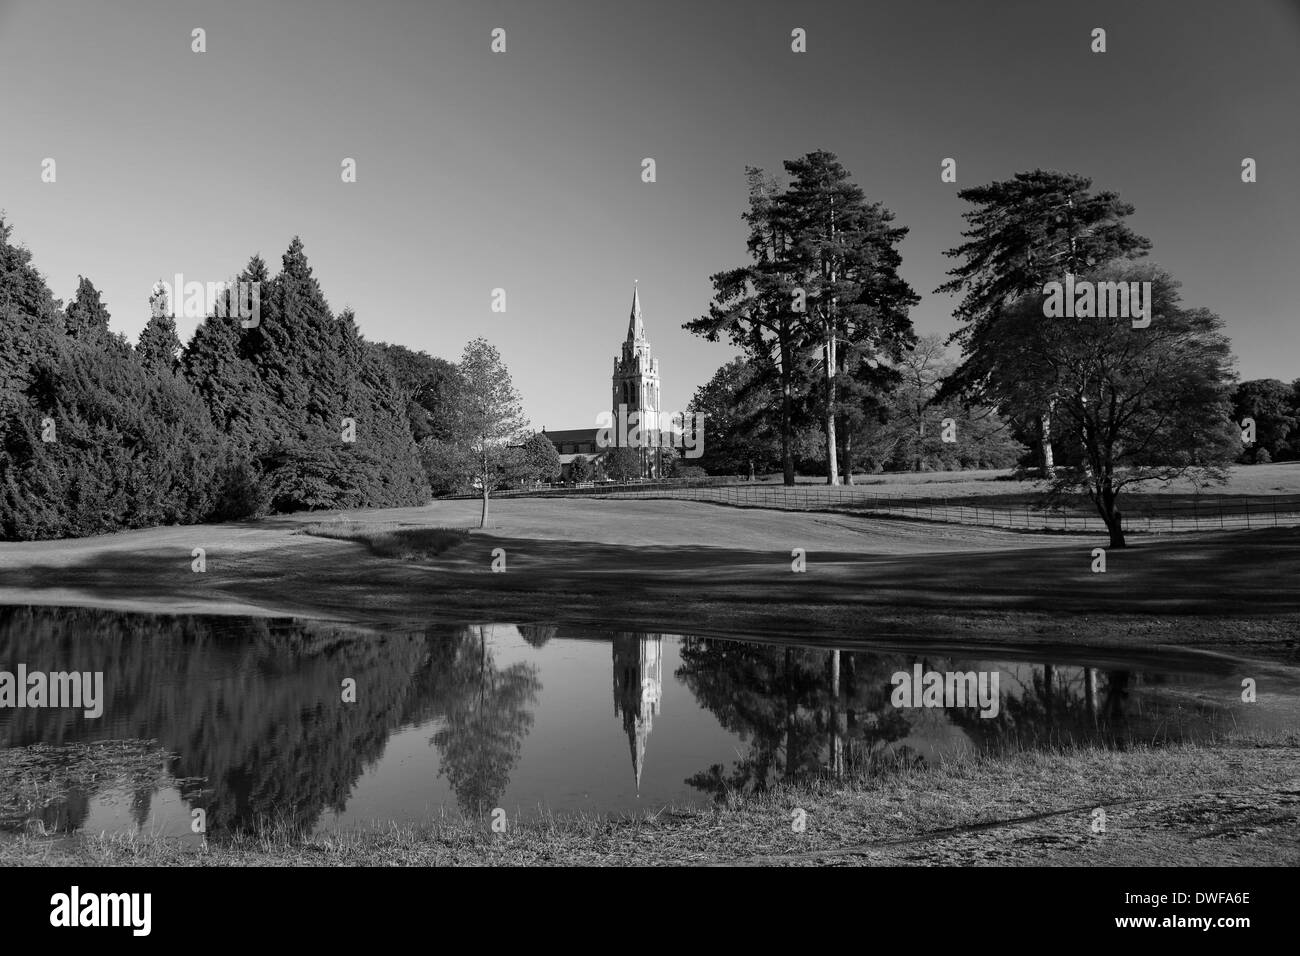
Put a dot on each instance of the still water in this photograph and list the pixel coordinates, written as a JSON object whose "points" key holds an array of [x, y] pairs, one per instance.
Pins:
{"points": [[247, 718]]}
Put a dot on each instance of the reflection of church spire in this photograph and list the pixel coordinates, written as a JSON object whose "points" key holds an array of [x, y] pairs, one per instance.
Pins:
{"points": [[638, 685]]}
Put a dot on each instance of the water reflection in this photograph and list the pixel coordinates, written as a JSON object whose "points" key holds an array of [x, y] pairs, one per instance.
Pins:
{"points": [[638, 688], [486, 716], [245, 719]]}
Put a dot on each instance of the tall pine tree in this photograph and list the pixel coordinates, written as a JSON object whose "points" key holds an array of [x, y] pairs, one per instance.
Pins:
{"points": [[1033, 228]]}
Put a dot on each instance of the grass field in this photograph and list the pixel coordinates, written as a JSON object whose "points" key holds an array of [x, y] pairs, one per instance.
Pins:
{"points": [[689, 567]]}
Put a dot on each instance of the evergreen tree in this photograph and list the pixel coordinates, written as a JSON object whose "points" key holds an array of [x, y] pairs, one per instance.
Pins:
{"points": [[754, 305], [430, 386], [86, 318], [842, 254], [126, 448], [313, 409], [219, 364], [1034, 228], [159, 345], [741, 420], [823, 281], [31, 324]]}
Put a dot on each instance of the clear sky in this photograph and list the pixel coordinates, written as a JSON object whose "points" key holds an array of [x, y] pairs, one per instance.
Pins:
{"points": [[522, 170]]}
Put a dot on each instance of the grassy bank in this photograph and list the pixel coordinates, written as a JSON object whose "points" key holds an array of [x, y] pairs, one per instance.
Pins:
{"points": [[1233, 804], [694, 568]]}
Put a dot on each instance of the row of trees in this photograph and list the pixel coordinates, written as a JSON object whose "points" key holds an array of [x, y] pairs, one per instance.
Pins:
{"points": [[831, 362], [294, 411]]}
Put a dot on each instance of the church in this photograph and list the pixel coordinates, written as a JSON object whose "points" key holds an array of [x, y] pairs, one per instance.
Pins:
{"points": [[636, 389]]}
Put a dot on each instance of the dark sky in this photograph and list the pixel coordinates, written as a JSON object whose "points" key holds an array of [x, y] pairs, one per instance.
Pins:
{"points": [[522, 170]]}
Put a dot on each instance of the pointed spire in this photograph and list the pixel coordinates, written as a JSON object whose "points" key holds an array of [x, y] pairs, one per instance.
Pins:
{"points": [[635, 330]]}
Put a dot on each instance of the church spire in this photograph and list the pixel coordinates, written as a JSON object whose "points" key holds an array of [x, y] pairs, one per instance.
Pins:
{"points": [[635, 330]]}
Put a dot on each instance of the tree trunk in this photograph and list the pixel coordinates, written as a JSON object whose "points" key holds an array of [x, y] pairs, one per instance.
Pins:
{"points": [[482, 521], [1115, 527], [831, 318], [920, 436], [848, 456], [1045, 442], [787, 415], [832, 459], [1106, 497]]}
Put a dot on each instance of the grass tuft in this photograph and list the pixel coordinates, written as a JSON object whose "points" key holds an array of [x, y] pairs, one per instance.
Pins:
{"points": [[406, 544]]}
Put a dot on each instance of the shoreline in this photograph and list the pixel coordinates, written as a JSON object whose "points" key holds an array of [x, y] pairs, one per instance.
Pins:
{"points": [[1231, 804]]}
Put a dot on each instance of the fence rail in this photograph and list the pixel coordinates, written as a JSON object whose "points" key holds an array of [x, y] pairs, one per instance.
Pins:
{"points": [[1141, 514]]}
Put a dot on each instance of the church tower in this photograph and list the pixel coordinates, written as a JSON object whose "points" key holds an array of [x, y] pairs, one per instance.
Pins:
{"points": [[636, 386], [638, 687]]}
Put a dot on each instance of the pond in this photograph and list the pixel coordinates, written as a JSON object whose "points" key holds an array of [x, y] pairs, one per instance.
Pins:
{"points": [[322, 726]]}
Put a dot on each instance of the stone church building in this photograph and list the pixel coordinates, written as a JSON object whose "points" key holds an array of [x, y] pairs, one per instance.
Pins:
{"points": [[636, 388]]}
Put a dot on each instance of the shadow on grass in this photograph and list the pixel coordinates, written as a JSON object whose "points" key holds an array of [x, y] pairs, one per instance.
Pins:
{"points": [[417, 573], [402, 543]]}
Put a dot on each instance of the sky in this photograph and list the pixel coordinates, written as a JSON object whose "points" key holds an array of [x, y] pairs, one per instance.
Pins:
{"points": [[522, 170]]}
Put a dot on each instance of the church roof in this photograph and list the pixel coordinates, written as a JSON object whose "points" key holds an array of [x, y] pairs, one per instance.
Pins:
{"points": [[571, 435]]}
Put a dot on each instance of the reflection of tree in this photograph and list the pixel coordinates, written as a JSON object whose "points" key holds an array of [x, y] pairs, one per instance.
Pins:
{"points": [[798, 712], [1055, 705], [252, 707], [487, 718], [537, 634]]}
